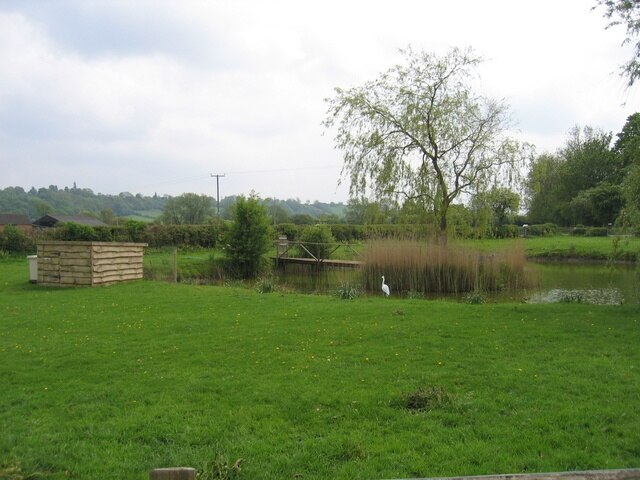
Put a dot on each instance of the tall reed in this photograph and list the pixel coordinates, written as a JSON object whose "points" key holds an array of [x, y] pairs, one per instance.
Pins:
{"points": [[429, 267]]}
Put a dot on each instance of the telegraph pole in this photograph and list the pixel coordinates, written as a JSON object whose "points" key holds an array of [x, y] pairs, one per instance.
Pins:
{"points": [[218, 190]]}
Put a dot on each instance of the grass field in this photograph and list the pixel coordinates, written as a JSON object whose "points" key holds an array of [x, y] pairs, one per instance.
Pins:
{"points": [[107, 383], [568, 247]]}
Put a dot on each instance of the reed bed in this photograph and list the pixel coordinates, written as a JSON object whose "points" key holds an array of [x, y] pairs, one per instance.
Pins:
{"points": [[429, 267]]}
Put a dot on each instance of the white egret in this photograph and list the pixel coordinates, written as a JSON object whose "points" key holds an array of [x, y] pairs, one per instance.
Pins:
{"points": [[385, 287]]}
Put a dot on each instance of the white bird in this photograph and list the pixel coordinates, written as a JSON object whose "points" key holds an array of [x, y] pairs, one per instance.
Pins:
{"points": [[385, 287]]}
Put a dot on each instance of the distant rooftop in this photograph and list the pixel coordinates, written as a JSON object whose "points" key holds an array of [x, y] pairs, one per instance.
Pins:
{"points": [[14, 219]]}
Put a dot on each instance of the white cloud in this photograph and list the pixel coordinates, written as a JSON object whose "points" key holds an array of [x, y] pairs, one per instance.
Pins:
{"points": [[155, 95]]}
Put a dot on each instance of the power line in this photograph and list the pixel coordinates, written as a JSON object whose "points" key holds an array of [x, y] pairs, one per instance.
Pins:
{"points": [[201, 176]]}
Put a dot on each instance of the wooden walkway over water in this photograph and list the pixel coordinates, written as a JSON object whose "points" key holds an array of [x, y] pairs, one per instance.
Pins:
{"points": [[321, 261], [284, 246]]}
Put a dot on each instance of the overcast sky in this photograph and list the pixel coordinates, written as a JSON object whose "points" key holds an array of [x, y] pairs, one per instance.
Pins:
{"points": [[153, 96]]}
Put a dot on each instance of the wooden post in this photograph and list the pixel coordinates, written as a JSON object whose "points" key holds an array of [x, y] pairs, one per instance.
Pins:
{"points": [[179, 473], [175, 265]]}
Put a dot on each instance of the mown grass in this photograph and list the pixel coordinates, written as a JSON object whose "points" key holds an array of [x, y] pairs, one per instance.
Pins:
{"points": [[111, 382], [568, 247]]}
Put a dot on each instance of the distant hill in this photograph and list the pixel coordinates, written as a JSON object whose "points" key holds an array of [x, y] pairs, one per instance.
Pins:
{"points": [[72, 201]]}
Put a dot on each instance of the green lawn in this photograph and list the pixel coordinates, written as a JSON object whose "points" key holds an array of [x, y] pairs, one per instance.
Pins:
{"points": [[568, 247], [110, 382]]}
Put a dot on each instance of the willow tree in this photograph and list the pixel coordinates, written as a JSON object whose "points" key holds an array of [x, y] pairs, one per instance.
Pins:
{"points": [[420, 132], [627, 14]]}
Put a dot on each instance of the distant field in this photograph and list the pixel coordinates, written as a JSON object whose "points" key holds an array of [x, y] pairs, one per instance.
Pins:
{"points": [[146, 215], [111, 382]]}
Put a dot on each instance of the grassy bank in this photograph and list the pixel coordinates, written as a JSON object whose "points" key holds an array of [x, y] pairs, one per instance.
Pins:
{"points": [[565, 247], [111, 382]]}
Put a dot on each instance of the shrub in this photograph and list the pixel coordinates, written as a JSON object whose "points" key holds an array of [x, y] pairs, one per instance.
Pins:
{"points": [[597, 232], [542, 230], [14, 240], [317, 240], [505, 231], [347, 233], [578, 230], [72, 232], [136, 230], [475, 298], [290, 230], [347, 291], [415, 295], [105, 234], [248, 238], [267, 284]]}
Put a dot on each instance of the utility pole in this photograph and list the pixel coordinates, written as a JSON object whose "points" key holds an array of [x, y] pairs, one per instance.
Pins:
{"points": [[218, 191]]}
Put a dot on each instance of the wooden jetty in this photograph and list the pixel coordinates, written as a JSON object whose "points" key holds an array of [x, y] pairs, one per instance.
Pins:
{"points": [[284, 245], [318, 261]]}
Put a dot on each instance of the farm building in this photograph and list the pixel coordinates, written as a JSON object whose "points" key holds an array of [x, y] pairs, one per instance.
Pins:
{"points": [[18, 220], [54, 219], [88, 263]]}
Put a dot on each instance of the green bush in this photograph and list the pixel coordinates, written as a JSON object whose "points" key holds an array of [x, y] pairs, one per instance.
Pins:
{"points": [[204, 236], [578, 231], [14, 240], [105, 234], [267, 284], [290, 230], [347, 233], [347, 291], [506, 231], [317, 240], [187, 236], [248, 238], [74, 232], [542, 230], [136, 230], [597, 232]]}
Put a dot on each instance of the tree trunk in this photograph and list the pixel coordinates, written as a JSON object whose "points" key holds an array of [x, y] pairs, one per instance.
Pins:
{"points": [[442, 224]]}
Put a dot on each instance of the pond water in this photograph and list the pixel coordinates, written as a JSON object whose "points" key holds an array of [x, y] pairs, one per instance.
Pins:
{"points": [[571, 282], [586, 282]]}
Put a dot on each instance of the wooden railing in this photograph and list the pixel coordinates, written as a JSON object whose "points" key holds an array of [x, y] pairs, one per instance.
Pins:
{"points": [[284, 246]]}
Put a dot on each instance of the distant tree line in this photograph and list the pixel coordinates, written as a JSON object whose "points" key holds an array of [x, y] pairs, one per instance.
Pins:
{"points": [[592, 180], [36, 203], [189, 208]]}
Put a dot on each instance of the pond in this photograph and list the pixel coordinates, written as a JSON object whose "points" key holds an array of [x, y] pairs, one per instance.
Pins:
{"points": [[586, 282], [574, 282]]}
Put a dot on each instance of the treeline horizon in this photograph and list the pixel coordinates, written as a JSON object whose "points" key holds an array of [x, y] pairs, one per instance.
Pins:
{"points": [[51, 200]]}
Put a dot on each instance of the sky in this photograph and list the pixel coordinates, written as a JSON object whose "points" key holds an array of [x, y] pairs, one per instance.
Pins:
{"points": [[155, 96]]}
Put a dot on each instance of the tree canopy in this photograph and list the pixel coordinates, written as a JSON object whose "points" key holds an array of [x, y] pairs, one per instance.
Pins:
{"points": [[626, 13], [187, 209], [419, 131], [587, 181]]}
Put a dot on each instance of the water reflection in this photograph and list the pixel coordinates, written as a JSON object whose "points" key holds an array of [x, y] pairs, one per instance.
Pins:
{"points": [[597, 283], [596, 296], [571, 282]]}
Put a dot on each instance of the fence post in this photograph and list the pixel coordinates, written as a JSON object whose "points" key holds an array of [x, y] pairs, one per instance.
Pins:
{"points": [[179, 473], [175, 265]]}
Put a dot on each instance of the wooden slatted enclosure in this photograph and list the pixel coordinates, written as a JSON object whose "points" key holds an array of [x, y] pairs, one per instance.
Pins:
{"points": [[88, 263]]}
